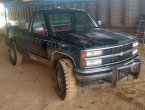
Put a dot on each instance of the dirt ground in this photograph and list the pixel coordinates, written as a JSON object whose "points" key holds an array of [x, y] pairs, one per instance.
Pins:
{"points": [[31, 87]]}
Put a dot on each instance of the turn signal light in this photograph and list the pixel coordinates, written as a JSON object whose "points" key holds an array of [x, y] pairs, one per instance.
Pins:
{"points": [[83, 54], [83, 63]]}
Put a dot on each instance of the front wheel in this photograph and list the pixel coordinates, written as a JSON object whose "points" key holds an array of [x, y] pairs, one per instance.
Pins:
{"points": [[15, 56], [66, 82]]}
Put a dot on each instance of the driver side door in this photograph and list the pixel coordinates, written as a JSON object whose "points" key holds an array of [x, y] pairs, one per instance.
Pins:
{"points": [[38, 36]]}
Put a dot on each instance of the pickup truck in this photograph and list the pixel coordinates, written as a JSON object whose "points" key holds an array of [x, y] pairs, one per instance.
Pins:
{"points": [[80, 52]]}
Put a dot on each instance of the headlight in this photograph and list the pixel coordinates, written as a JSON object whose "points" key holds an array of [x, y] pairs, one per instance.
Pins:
{"points": [[95, 53], [87, 63], [135, 44], [134, 51], [94, 62]]}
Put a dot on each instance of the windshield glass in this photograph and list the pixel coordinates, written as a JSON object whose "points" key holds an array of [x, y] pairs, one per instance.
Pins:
{"points": [[82, 20], [66, 21]]}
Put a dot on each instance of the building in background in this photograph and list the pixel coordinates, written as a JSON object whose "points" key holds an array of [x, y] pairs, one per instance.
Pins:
{"points": [[112, 13], [143, 7]]}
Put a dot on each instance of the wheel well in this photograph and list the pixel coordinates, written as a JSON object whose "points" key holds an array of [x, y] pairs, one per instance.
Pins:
{"points": [[58, 56]]}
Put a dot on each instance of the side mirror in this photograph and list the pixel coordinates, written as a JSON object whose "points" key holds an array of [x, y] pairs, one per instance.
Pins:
{"points": [[99, 23]]}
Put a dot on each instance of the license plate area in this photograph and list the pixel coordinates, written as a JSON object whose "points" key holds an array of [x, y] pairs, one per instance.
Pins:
{"points": [[122, 72]]}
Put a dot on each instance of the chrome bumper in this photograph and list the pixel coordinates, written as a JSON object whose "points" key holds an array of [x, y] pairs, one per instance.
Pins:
{"points": [[109, 72]]}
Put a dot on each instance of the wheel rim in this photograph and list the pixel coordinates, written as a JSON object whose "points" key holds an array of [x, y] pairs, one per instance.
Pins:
{"points": [[60, 81], [12, 54]]}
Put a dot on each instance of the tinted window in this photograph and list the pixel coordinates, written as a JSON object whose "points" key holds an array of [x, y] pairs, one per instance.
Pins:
{"points": [[60, 22], [82, 21], [39, 26], [70, 21]]}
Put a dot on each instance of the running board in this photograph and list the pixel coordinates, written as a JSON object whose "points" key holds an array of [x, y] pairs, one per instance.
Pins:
{"points": [[39, 59]]}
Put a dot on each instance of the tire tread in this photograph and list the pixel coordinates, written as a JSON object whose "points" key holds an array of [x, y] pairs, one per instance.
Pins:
{"points": [[69, 78]]}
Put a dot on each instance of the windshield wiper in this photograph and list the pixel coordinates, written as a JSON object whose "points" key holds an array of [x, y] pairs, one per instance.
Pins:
{"points": [[64, 31], [88, 27]]}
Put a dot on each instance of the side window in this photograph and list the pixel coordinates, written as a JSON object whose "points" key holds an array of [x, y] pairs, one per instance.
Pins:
{"points": [[39, 25]]}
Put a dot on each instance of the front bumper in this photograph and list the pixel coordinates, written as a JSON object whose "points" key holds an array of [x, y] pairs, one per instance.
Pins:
{"points": [[110, 73]]}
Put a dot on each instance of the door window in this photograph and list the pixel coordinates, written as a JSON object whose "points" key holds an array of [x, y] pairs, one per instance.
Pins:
{"points": [[39, 25]]}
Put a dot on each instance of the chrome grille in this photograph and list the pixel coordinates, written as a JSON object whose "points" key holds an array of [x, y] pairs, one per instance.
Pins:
{"points": [[116, 58], [116, 50]]}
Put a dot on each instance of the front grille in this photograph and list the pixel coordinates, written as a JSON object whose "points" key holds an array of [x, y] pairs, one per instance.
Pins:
{"points": [[115, 59], [116, 50]]}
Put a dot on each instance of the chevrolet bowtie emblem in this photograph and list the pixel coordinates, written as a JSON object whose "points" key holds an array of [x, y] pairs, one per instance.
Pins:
{"points": [[121, 54]]}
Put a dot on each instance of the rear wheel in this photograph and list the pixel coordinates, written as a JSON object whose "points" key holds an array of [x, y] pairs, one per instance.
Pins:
{"points": [[66, 82], [15, 56]]}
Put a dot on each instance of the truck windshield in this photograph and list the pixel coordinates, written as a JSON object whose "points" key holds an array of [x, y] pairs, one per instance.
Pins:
{"points": [[66, 21]]}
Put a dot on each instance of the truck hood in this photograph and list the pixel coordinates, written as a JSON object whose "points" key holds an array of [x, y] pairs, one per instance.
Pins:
{"points": [[97, 38]]}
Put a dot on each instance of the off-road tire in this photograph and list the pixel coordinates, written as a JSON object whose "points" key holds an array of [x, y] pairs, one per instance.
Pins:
{"points": [[15, 56], [69, 89]]}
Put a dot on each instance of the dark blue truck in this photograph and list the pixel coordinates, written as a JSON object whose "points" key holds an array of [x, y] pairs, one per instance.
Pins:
{"points": [[81, 53]]}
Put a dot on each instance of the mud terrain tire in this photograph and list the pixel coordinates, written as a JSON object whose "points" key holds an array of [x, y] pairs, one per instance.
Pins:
{"points": [[66, 82], [15, 56]]}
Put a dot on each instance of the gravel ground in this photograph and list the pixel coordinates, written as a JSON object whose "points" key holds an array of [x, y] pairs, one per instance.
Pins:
{"points": [[31, 86]]}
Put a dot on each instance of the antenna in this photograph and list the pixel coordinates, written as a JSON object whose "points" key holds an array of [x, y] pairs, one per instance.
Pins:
{"points": [[55, 5]]}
